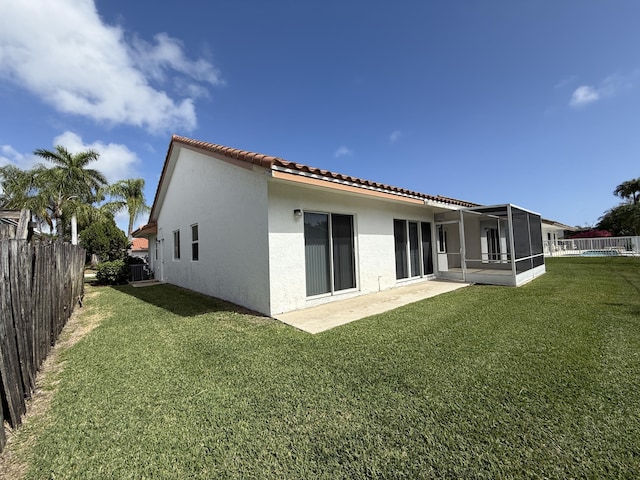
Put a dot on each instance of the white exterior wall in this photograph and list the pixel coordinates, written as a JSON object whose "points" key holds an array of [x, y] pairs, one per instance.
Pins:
{"points": [[229, 204], [555, 232], [374, 241], [152, 255]]}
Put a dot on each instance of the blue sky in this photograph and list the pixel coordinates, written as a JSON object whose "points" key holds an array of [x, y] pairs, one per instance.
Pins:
{"points": [[534, 103]]}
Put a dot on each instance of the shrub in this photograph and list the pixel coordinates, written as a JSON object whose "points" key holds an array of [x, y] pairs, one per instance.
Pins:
{"points": [[592, 233], [112, 273]]}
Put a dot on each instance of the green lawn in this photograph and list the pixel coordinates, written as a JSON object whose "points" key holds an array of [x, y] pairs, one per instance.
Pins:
{"points": [[483, 382]]}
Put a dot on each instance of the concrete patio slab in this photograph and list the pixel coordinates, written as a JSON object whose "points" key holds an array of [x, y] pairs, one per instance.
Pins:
{"points": [[324, 317]]}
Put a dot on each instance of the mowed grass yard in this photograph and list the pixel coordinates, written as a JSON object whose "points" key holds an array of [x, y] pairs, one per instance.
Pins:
{"points": [[484, 382]]}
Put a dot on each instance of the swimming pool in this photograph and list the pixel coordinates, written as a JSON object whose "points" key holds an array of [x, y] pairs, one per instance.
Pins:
{"points": [[600, 253]]}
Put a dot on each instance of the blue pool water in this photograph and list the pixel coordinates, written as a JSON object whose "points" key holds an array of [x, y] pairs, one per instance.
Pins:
{"points": [[600, 253]]}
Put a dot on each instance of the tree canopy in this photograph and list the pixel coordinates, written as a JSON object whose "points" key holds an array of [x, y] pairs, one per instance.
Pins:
{"points": [[624, 219], [104, 239], [65, 186], [629, 190], [129, 195]]}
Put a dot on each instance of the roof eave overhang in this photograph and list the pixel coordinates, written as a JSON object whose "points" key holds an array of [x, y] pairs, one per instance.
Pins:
{"points": [[373, 190], [145, 231], [294, 172]]}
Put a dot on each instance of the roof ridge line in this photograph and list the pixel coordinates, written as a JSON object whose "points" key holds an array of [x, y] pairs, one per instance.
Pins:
{"points": [[270, 162]]}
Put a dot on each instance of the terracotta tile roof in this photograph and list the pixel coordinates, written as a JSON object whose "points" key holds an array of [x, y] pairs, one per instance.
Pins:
{"points": [[147, 229], [140, 244], [277, 163]]}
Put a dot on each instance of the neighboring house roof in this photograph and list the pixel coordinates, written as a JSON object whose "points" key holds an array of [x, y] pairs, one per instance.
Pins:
{"points": [[139, 244], [285, 167], [559, 225]]}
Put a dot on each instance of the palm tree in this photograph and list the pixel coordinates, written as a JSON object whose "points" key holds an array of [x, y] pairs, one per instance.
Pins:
{"points": [[68, 183], [19, 189], [16, 186], [129, 195], [629, 190]]}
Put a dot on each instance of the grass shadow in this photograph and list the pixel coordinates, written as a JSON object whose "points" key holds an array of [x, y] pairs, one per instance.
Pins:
{"points": [[181, 301], [632, 308]]}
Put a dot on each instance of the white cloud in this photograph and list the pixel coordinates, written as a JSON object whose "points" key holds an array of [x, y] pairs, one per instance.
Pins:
{"points": [[62, 52], [584, 95], [343, 152], [10, 156], [167, 54], [116, 161], [612, 85], [395, 136]]}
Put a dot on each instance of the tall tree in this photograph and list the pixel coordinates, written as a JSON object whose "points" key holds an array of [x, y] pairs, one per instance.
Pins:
{"points": [[19, 189], [129, 195], [16, 186], [104, 239], [68, 183], [629, 190], [624, 219]]}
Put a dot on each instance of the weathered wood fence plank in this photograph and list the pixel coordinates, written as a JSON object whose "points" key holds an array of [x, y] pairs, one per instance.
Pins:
{"points": [[40, 285], [10, 377]]}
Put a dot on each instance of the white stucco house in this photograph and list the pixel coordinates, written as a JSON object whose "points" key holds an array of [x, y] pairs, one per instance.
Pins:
{"points": [[276, 236], [552, 233]]}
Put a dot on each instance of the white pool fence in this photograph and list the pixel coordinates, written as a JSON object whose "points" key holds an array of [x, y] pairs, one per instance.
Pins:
{"points": [[604, 246]]}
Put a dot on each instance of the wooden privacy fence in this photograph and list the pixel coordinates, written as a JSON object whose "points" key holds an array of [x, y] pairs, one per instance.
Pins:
{"points": [[39, 286]]}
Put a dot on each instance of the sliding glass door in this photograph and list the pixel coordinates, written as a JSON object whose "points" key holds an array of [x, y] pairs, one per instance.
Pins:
{"points": [[412, 240], [344, 274], [400, 237], [427, 252], [329, 252], [316, 250]]}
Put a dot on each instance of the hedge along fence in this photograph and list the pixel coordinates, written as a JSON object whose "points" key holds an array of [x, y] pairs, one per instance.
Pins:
{"points": [[39, 286]]}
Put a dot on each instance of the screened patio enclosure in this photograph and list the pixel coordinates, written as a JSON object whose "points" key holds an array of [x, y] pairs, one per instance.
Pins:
{"points": [[498, 245]]}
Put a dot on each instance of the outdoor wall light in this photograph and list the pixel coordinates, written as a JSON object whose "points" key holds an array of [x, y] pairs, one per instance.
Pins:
{"points": [[297, 212]]}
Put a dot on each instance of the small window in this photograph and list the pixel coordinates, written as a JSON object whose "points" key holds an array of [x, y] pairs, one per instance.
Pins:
{"points": [[195, 253], [176, 245]]}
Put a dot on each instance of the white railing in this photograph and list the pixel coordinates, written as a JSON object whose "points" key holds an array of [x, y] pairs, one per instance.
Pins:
{"points": [[604, 246]]}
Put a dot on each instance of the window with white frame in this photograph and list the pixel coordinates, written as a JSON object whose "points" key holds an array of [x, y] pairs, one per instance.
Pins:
{"points": [[176, 245], [195, 250], [414, 257]]}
